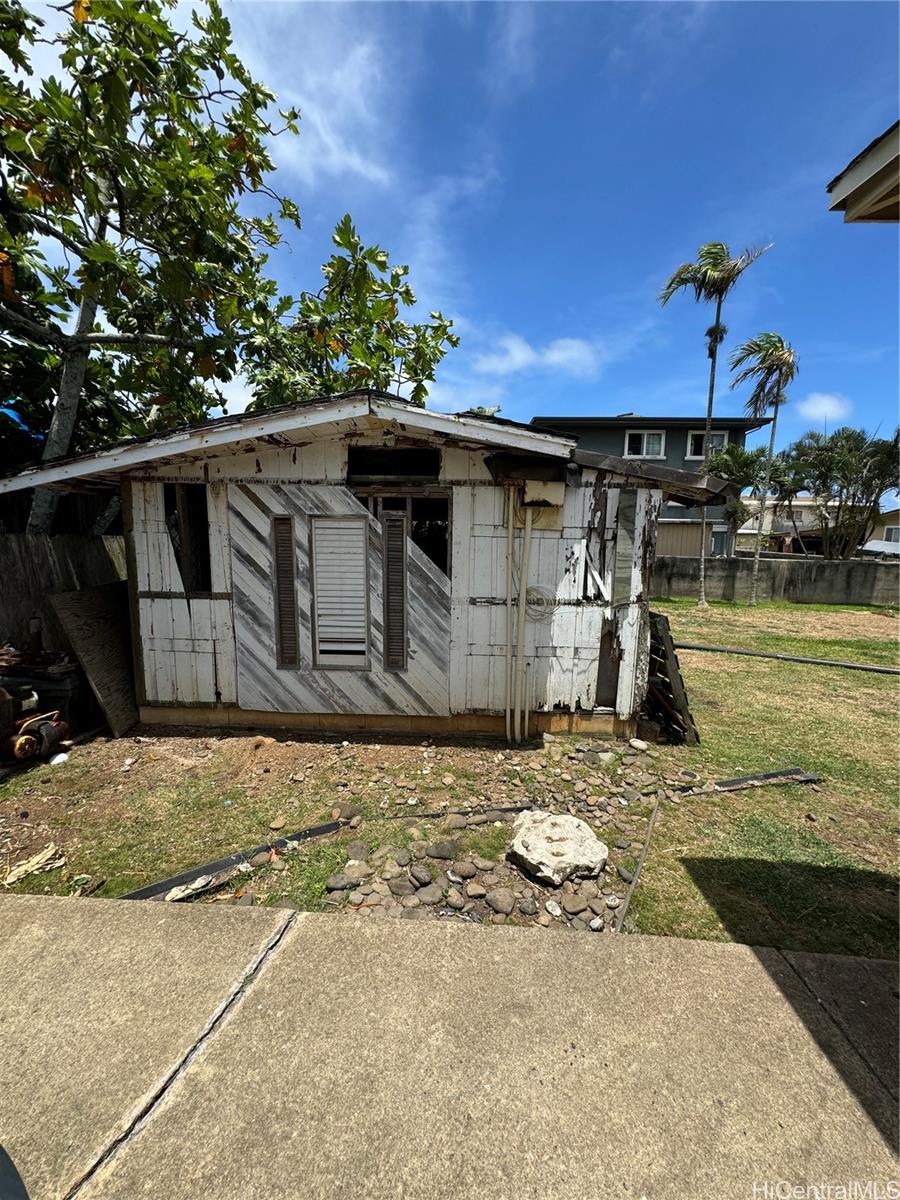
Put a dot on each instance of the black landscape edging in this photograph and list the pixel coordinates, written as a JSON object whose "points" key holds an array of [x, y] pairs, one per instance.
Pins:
{"points": [[152, 890]]}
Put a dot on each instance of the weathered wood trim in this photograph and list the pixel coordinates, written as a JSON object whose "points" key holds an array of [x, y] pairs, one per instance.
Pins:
{"points": [[133, 594], [599, 723], [145, 595]]}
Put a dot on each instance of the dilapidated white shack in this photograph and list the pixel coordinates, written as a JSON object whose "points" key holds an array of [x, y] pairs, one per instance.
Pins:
{"points": [[360, 563]]}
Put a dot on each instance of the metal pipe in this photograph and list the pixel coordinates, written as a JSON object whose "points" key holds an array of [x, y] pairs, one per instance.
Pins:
{"points": [[520, 629], [814, 662], [526, 710], [510, 535]]}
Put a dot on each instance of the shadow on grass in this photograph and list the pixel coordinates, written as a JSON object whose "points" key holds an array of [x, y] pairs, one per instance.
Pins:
{"points": [[827, 935]]}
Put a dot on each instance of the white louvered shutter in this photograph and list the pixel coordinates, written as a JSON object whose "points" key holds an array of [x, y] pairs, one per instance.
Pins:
{"points": [[340, 591]]}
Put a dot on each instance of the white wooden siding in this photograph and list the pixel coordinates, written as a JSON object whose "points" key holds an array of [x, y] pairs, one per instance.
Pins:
{"points": [[187, 645]]}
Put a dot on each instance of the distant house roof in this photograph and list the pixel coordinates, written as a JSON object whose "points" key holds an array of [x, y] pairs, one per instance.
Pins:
{"points": [[633, 421], [868, 188], [879, 546]]}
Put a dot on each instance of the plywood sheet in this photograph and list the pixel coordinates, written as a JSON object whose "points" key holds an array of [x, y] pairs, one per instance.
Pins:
{"points": [[97, 624]]}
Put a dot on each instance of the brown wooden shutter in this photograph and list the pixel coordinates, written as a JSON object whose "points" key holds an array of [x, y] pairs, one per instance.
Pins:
{"points": [[395, 637], [284, 561]]}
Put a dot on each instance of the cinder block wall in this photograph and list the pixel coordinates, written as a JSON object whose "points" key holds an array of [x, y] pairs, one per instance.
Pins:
{"points": [[801, 580]]}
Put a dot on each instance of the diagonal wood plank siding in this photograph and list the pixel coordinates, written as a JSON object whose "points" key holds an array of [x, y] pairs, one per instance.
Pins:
{"points": [[421, 690]]}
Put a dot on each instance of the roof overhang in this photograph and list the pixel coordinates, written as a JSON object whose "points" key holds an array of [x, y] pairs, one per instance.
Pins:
{"points": [[683, 486], [868, 188], [291, 425]]}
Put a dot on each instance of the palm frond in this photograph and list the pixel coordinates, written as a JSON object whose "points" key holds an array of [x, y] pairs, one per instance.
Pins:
{"points": [[771, 364], [714, 273]]}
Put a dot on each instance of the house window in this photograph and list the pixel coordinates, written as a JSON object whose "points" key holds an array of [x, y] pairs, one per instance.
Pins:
{"points": [[427, 519], [340, 588], [719, 547], [394, 589], [695, 442], [892, 533], [645, 443], [187, 521], [284, 558]]}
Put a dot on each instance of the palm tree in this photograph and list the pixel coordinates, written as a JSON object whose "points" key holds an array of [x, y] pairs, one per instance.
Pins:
{"points": [[744, 468], [772, 364], [710, 278]]}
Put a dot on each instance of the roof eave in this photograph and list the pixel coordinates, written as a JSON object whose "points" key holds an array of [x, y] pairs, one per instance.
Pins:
{"points": [[684, 486], [107, 465]]}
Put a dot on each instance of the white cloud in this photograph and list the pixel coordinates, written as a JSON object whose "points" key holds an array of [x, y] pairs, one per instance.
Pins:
{"points": [[511, 48], [572, 356], [457, 394], [578, 357], [334, 72], [427, 244], [827, 407]]}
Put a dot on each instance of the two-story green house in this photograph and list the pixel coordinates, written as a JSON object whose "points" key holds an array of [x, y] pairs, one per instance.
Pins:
{"points": [[675, 441]]}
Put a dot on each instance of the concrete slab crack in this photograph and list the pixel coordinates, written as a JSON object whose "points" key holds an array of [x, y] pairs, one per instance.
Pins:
{"points": [[153, 1101]]}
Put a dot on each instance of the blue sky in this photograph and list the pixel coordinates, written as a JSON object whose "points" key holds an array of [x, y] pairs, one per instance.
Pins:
{"points": [[543, 168]]}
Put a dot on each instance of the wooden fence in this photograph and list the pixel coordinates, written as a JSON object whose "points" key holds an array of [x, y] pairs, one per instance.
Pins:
{"points": [[32, 568]]}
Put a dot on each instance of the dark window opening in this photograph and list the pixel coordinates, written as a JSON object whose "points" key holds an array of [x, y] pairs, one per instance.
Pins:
{"points": [[375, 463], [187, 521], [430, 528], [427, 520], [287, 643]]}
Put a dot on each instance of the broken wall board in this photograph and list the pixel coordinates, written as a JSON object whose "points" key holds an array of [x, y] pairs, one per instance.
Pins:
{"points": [[96, 621]]}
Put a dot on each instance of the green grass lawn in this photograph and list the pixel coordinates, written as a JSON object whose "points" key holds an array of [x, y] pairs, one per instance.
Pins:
{"points": [[786, 866]]}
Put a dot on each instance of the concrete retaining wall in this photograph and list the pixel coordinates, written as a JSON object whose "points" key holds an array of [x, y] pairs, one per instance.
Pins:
{"points": [[802, 580], [32, 568]]}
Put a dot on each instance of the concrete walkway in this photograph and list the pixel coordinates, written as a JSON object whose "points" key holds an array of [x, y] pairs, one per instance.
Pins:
{"points": [[180, 1053]]}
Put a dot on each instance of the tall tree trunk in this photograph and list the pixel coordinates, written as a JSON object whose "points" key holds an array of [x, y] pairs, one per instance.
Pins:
{"points": [[797, 531], [65, 412], [707, 429], [754, 581]]}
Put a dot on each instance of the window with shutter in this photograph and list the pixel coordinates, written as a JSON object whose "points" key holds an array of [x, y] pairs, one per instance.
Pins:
{"points": [[340, 591], [394, 538], [285, 582]]}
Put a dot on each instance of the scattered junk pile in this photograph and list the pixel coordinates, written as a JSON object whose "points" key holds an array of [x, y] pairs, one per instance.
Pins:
{"points": [[38, 694]]}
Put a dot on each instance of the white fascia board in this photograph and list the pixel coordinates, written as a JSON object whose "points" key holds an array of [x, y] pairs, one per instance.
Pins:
{"points": [[123, 458], [464, 428], [858, 176]]}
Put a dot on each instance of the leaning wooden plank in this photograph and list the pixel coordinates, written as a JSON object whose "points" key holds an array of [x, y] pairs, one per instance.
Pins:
{"points": [[676, 683], [96, 622]]}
